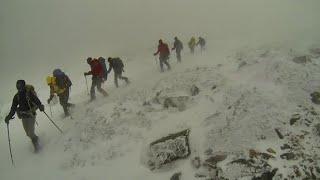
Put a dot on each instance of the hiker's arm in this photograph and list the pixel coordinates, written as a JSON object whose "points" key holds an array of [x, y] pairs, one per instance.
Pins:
{"points": [[13, 106], [88, 73], [35, 99], [157, 52], [110, 68], [51, 95]]}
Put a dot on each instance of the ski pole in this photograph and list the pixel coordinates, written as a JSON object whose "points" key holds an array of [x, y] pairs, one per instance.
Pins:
{"points": [[10, 145], [87, 84], [53, 122]]}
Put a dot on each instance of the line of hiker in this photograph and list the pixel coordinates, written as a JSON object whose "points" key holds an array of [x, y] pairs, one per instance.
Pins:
{"points": [[25, 102], [164, 51]]}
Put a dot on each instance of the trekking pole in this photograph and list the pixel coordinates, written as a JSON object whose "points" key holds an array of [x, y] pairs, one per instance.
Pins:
{"points": [[10, 145], [87, 84], [50, 110], [53, 122]]}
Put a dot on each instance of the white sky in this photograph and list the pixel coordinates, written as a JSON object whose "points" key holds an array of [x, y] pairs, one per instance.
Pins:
{"points": [[37, 36]]}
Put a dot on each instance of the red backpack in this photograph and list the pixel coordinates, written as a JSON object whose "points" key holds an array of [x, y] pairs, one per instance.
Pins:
{"points": [[97, 68]]}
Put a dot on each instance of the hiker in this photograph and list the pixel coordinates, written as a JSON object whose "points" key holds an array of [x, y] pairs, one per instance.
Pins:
{"points": [[164, 53], [98, 75], [202, 43], [178, 46], [117, 65], [60, 84], [192, 44], [25, 103]]}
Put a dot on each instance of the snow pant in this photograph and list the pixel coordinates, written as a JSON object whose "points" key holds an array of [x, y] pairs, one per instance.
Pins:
{"points": [[164, 60], [118, 75], [64, 98], [178, 53], [28, 126], [192, 50], [202, 47], [96, 82]]}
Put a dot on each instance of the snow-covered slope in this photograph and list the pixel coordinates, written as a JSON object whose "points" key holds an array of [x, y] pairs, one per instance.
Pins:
{"points": [[107, 139], [248, 84]]}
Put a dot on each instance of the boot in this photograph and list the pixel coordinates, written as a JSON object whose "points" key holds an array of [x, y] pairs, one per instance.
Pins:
{"points": [[35, 142]]}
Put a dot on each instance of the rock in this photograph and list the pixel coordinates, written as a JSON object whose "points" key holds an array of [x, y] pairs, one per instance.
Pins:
{"points": [[266, 156], [285, 146], [287, 156], [176, 102], [248, 163], [208, 152], [196, 162], [317, 129], [315, 51], [301, 59], [253, 153], [215, 159], [315, 97], [279, 133], [266, 175], [176, 176], [170, 148], [294, 118], [198, 175], [213, 87], [194, 90], [270, 150], [243, 63]]}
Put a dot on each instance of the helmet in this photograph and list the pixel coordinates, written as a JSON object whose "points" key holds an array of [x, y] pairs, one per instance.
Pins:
{"points": [[21, 85], [160, 41], [51, 80]]}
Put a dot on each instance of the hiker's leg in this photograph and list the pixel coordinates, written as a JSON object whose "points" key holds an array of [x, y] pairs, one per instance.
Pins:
{"points": [[102, 91], [28, 126], [92, 90], [161, 63], [116, 76], [64, 103]]}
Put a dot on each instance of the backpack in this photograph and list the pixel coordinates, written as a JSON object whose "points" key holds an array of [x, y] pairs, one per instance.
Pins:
{"points": [[118, 62], [97, 68], [29, 90], [102, 61], [166, 49], [61, 79]]}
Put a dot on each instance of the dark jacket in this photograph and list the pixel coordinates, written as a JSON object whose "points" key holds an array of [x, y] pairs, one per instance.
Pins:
{"points": [[116, 64], [178, 46], [24, 102]]}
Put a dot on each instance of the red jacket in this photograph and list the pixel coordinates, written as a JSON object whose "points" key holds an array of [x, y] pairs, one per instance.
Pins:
{"points": [[96, 68], [163, 49]]}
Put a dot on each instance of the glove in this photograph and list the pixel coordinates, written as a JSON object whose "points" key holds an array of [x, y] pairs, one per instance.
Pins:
{"points": [[41, 107], [49, 101], [7, 119], [122, 70], [155, 54], [85, 74]]}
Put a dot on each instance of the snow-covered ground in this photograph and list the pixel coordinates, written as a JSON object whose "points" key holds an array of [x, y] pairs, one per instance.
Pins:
{"points": [[248, 84]]}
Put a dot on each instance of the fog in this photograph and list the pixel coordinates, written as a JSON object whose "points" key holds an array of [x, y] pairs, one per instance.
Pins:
{"points": [[37, 36]]}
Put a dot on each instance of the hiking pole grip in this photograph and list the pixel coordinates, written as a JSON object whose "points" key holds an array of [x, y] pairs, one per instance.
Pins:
{"points": [[9, 141], [53, 122]]}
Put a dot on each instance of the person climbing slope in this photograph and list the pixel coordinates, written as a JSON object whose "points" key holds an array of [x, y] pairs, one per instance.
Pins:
{"points": [[25, 103], [118, 67], [164, 53]]}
